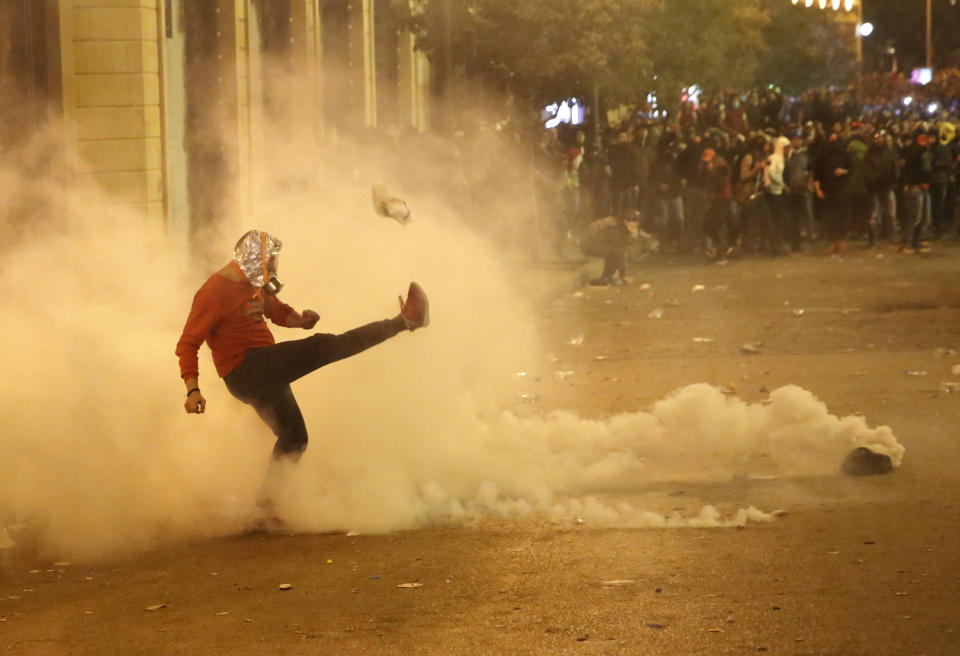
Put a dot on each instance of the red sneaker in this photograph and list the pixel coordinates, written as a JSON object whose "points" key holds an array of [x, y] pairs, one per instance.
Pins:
{"points": [[416, 309]]}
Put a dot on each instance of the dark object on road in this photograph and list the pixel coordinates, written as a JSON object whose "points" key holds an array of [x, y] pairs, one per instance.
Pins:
{"points": [[864, 462]]}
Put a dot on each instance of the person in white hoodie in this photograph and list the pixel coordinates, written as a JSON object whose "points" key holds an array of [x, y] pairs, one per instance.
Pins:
{"points": [[775, 191]]}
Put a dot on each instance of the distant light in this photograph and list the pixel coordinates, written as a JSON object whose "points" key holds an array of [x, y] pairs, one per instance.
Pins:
{"points": [[932, 108], [907, 101], [865, 29], [848, 5], [921, 76], [569, 111]]}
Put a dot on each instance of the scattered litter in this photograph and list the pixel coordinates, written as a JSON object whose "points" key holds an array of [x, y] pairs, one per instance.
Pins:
{"points": [[352, 534], [528, 398], [520, 374], [576, 340], [730, 389], [950, 387], [35, 571], [616, 583], [656, 313], [798, 312], [780, 513], [672, 302], [600, 357], [552, 358], [562, 375], [651, 625], [834, 553], [410, 585], [644, 287], [61, 563], [698, 288], [714, 630], [579, 520], [225, 612], [577, 294], [751, 348], [374, 577], [286, 586], [915, 373], [955, 370], [945, 352], [156, 607], [703, 340], [902, 594]]}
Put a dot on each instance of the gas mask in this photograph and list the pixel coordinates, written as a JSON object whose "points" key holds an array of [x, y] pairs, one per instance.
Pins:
{"points": [[256, 253], [273, 285]]}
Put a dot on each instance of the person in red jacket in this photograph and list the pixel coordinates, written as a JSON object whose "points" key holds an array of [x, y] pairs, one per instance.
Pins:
{"points": [[228, 314]]}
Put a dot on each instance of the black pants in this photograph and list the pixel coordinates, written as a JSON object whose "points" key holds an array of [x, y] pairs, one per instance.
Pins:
{"points": [[718, 224], [263, 379]]}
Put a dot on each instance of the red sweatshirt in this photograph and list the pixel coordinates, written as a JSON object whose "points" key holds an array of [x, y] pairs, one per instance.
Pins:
{"points": [[228, 315]]}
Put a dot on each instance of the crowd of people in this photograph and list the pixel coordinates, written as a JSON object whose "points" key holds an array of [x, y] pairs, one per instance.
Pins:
{"points": [[736, 173]]}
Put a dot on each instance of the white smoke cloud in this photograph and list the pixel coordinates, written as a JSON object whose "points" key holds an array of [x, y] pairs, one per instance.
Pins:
{"points": [[99, 456]]}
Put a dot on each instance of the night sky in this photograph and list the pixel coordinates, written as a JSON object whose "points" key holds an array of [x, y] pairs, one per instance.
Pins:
{"points": [[902, 24]]}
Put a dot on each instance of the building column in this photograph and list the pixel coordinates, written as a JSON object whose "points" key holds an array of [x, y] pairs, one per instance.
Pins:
{"points": [[112, 99]]}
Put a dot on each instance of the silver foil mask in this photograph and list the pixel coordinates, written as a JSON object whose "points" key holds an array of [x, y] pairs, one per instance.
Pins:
{"points": [[252, 253]]}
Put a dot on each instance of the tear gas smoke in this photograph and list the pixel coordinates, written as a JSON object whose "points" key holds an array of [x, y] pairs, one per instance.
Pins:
{"points": [[100, 456]]}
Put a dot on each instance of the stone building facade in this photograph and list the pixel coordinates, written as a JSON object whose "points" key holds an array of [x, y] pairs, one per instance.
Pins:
{"points": [[162, 101]]}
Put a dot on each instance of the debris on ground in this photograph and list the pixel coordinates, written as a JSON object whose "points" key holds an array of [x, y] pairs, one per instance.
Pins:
{"points": [[751, 348], [864, 462]]}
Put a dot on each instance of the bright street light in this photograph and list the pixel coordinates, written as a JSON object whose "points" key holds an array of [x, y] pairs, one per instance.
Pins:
{"points": [[865, 29]]}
